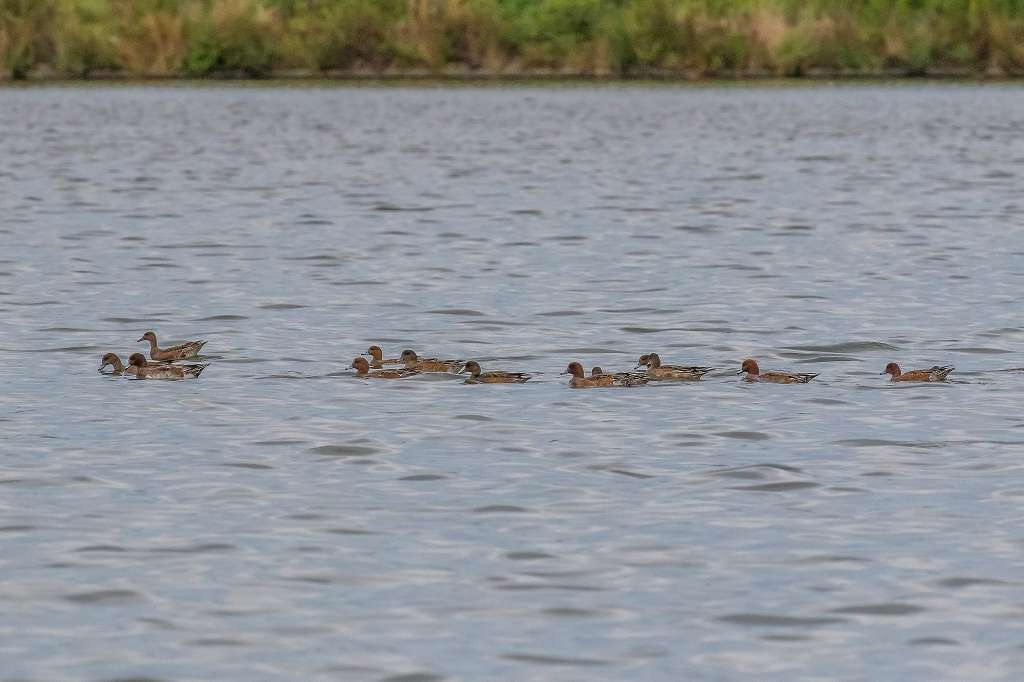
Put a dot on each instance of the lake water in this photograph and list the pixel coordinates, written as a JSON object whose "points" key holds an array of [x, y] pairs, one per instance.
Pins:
{"points": [[278, 518]]}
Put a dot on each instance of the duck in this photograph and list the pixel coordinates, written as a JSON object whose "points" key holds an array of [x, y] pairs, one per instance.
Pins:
{"points": [[935, 373], [580, 380], [183, 351], [753, 373], [362, 367], [622, 378], [656, 370], [377, 358], [143, 370], [476, 376], [413, 361], [114, 361]]}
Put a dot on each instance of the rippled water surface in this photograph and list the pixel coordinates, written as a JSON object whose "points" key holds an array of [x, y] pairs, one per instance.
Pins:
{"points": [[279, 518]]}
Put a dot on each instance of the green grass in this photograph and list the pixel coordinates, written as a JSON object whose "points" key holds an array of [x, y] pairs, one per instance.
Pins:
{"points": [[682, 38]]}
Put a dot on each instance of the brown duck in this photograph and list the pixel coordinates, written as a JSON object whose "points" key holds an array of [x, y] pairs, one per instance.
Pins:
{"points": [[362, 367], [656, 370], [581, 380], [622, 378], [476, 376], [162, 371], [936, 373], [115, 362], [377, 358], [753, 373], [413, 361], [184, 351]]}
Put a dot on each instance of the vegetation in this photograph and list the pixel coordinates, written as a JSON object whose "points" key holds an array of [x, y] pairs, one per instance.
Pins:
{"points": [[677, 38]]}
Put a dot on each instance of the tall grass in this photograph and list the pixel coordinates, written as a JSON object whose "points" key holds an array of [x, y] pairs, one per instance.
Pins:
{"points": [[686, 38]]}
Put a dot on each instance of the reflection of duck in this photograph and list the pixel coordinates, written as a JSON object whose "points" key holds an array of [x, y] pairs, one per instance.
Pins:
{"points": [[936, 373], [580, 380], [183, 351], [622, 378], [148, 371], [377, 358], [753, 373], [476, 376], [656, 370], [362, 368], [413, 361]]}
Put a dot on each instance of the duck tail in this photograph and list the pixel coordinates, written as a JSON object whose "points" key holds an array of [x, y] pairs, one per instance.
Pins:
{"points": [[196, 370]]}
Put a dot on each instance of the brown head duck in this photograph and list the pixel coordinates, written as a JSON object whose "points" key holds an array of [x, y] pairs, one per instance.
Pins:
{"points": [[184, 351], [935, 373], [362, 367], [413, 361], [377, 360], [477, 376], [754, 373], [144, 370], [579, 379], [656, 370]]}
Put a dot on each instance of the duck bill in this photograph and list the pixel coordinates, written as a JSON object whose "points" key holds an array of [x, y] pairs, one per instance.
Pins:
{"points": [[101, 368], [741, 372], [140, 340]]}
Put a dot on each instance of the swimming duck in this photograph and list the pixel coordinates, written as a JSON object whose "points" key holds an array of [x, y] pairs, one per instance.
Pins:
{"points": [[656, 370], [184, 351], [936, 373], [753, 373], [148, 371], [377, 358], [580, 380], [622, 378], [114, 361], [413, 361], [362, 367], [494, 376]]}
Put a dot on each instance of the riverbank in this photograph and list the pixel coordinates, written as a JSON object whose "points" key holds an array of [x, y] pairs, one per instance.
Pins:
{"points": [[493, 39]]}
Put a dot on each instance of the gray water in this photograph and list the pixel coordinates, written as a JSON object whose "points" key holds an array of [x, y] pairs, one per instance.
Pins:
{"points": [[278, 518]]}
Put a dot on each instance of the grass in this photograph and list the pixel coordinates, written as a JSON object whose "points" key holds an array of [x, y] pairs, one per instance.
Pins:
{"points": [[674, 38]]}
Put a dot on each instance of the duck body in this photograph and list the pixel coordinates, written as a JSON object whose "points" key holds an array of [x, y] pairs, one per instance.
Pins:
{"points": [[622, 378], [753, 373], [183, 351], [144, 370], [935, 373], [118, 369], [413, 361], [580, 380], [476, 376], [377, 360], [362, 367], [660, 372]]}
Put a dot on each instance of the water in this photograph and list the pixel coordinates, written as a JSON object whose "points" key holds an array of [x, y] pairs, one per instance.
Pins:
{"points": [[279, 519]]}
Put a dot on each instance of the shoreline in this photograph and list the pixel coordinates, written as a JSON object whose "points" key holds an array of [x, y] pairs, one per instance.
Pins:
{"points": [[482, 77]]}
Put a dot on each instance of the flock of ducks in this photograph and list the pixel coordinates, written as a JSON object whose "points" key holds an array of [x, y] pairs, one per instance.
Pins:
{"points": [[648, 368], [373, 365], [160, 365]]}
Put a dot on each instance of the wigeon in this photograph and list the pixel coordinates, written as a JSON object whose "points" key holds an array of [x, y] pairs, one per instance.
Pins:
{"points": [[753, 373], [183, 351], [143, 370], [413, 361], [656, 370], [362, 367], [936, 373], [476, 376]]}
